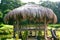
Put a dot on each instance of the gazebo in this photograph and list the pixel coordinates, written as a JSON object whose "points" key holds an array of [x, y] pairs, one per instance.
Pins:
{"points": [[30, 12]]}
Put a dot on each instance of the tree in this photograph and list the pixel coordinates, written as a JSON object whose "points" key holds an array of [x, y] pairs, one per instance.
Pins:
{"points": [[1, 15], [55, 6], [8, 5]]}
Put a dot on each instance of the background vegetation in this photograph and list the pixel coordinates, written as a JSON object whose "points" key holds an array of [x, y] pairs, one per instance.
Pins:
{"points": [[8, 5]]}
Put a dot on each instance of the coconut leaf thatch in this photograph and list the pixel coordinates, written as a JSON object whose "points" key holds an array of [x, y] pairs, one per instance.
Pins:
{"points": [[31, 12]]}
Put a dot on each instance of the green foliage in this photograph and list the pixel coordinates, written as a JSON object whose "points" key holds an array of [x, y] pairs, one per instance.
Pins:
{"points": [[24, 35], [54, 25], [8, 5], [55, 6], [1, 14], [5, 29], [1, 25]]}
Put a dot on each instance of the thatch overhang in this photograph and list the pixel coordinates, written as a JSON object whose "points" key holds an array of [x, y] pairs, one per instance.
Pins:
{"points": [[32, 12]]}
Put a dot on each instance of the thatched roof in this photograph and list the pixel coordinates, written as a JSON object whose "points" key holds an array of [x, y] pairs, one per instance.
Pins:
{"points": [[31, 12]]}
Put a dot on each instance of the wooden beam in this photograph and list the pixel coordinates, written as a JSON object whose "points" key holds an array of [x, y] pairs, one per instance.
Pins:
{"points": [[45, 30]]}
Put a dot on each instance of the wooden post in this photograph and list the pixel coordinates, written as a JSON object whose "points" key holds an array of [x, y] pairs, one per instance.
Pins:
{"points": [[35, 32], [17, 36], [14, 31], [45, 29], [20, 30]]}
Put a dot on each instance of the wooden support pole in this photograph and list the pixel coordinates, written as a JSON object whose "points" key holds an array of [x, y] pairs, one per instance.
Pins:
{"points": [[45, 30], [17, 36], [14, 30]]}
